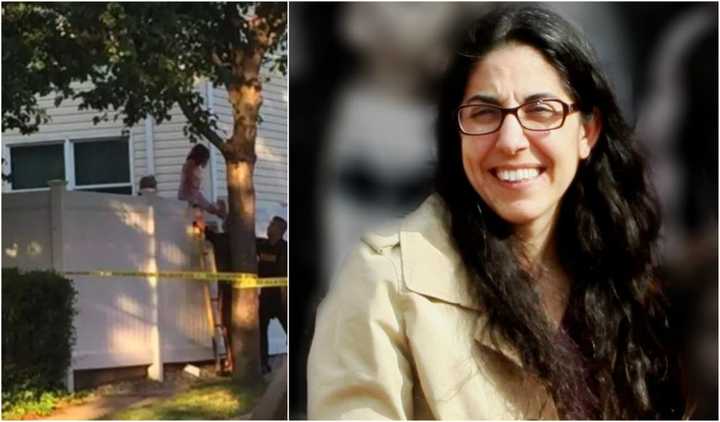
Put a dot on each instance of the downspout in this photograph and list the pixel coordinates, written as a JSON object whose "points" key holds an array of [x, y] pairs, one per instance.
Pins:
{"points": [[210, 95], [149, 148]]}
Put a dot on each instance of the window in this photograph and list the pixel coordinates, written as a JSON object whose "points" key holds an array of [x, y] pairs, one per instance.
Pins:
{"points": [[98, 165], [32, 166]]}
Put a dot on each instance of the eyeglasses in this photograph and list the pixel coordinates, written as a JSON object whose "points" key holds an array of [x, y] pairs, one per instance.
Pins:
{"points": [[541, 115]]}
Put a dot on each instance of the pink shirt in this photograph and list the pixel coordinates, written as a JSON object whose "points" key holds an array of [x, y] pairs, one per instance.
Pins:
{"points": [[190, 184]]}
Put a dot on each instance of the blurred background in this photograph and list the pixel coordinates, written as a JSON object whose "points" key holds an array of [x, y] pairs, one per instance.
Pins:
{"points": [[363, 77]]}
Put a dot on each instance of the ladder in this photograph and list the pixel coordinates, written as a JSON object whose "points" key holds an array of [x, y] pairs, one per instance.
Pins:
{"points": [[213, 303]]}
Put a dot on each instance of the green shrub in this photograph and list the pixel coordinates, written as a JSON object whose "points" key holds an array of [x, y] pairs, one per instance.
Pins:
{"points": [[20, 403], [38, 308]]}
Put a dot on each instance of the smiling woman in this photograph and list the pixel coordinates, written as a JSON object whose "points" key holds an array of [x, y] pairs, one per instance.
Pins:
{"points": [[526, 286], [522, 166]]}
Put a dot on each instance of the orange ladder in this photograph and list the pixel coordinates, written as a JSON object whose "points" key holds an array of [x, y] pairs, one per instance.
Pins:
{"points": [[220, 339]]}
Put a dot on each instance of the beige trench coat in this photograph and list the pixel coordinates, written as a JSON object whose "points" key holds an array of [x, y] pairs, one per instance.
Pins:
{"points": [[399, 337]]}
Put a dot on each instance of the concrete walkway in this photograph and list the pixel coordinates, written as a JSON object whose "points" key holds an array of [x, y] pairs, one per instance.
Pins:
{"points": [[273, 403]]}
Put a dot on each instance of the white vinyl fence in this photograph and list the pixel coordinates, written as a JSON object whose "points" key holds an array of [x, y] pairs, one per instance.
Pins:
{"points": [[121, 321]]}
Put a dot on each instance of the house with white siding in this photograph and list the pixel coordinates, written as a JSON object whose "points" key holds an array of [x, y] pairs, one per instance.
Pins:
{"points": [[111, 158], [95, 220]]}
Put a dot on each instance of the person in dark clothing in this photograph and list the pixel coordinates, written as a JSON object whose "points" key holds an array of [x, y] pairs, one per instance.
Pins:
{"points": [[272, 262]]}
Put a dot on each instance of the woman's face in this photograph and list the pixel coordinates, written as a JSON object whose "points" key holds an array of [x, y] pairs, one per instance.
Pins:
{"points": [[545, 162]]}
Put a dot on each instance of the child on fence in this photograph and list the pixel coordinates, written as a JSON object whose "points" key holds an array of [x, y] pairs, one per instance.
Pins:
{"points": [[191, 182]]}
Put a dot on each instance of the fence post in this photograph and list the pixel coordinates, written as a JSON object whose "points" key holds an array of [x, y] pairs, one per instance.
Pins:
{"points": [[57, 205], [155, 370]]}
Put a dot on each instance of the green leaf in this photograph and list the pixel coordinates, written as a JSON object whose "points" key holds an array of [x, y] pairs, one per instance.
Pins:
{"points": [[139, 56]]}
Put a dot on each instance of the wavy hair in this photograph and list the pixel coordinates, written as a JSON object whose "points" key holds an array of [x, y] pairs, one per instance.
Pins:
{"points": [[606, 236]]}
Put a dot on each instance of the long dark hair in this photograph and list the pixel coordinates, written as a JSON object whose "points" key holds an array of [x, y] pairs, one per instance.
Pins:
{"points": [[199, 154], [606, 236]]}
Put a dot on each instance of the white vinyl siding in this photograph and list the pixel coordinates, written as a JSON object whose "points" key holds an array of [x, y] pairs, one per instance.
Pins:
{"points": [[171, 146], [86, 164], [271, 169], [68, 123]]}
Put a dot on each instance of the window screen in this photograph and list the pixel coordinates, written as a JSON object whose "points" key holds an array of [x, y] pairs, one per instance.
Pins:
{"points": [[32, 166], [101, 162]]}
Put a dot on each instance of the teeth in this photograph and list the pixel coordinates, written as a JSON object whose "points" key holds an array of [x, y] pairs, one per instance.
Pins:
{"points": [[518, 174]]}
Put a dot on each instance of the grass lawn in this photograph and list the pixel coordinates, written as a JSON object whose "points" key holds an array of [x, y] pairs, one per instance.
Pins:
{"points": [[34, 404], [224, 399]]}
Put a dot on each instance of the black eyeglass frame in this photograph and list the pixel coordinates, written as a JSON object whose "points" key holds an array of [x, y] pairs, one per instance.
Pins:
{"points": [[567, 109]]}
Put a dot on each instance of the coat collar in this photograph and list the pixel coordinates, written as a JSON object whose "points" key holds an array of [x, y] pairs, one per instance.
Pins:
{"points": [[432, 267]]}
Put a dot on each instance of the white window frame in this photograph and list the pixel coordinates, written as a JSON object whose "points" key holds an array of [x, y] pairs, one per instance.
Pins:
{"points": [[10, 144], [69, 157]]}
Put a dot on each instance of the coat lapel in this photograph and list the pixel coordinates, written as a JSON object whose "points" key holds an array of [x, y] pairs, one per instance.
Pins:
{"points": [[432, 267], [483, 336]]}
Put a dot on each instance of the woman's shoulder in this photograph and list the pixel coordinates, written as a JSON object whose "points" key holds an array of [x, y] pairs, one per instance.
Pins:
{"points": [[379, 256], [428, 218], [421, 253]]}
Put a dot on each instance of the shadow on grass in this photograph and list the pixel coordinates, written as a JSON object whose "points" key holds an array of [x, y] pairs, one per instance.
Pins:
{"points": [[218, 400]]}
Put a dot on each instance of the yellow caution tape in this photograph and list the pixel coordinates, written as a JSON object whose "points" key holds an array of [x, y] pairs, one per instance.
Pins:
{"points": [[244, 280]]}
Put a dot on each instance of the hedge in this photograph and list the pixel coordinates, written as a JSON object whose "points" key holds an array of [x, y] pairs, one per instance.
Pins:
{"points": [[38, 308]]}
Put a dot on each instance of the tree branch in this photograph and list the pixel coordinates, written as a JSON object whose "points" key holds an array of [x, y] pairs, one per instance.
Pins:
{"points": [[205, 130], [223, 69]]}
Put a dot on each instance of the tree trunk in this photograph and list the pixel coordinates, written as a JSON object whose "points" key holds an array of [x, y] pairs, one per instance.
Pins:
{"points": [[245, 94], [239, 153], [245, 334]]}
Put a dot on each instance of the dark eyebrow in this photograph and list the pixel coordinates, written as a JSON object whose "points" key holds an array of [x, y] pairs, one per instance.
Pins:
{"points": [[541, 96], [493, 100], [483, 98]]}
